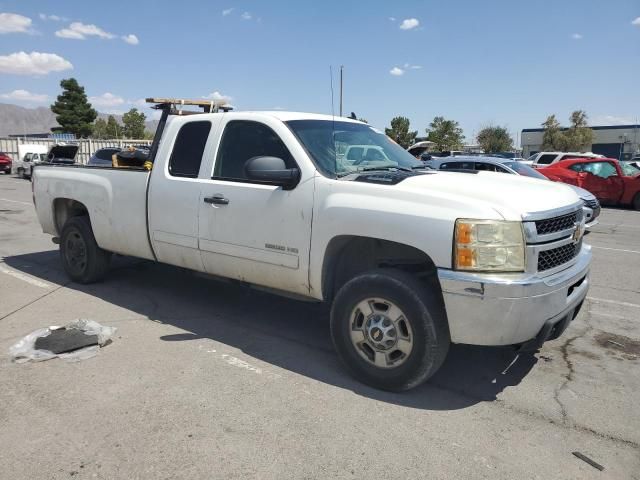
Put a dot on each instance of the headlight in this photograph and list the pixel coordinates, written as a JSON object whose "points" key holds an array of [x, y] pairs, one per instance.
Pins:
{"points": [[488, 245]]}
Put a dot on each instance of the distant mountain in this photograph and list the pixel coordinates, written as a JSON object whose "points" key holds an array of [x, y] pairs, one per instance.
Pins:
{"points": [[17, 120]]}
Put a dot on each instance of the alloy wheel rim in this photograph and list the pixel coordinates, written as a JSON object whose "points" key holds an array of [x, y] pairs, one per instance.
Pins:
{"points": [[381, 333]]}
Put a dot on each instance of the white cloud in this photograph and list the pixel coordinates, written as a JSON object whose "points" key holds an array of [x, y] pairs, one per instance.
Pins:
{"points": [[412, 67], [14, 23], [611, 120], [140, 102], [409, 23], [392, 19], [636, 22], [34, 63], [576, 36], [217, 96], [246, 16], [227, 11], [55, 18], [397, 71], [131, 39], [25, 96], [80, 31], [107, 100]]}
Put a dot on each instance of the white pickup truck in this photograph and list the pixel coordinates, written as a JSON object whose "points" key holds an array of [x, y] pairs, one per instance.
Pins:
{"points": [[410, 259]]}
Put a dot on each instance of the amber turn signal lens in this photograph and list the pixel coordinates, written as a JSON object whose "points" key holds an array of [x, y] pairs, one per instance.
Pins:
{"points": [[463, 233], [464, 258]]}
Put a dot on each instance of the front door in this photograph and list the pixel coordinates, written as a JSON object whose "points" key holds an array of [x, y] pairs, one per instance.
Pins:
{"points": [[601, 178], [251, 231]]}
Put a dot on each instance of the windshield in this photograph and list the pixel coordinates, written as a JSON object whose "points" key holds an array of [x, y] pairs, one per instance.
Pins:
{"points": [[629, 170], [340, 148], [524, 169]]}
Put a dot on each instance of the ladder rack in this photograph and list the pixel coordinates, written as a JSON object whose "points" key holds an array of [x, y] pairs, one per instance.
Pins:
{"points": [[174, 106]]}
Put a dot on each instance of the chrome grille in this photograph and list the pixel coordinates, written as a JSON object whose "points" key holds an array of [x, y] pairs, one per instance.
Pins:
{"points": [[556, 224], [548, 259]]}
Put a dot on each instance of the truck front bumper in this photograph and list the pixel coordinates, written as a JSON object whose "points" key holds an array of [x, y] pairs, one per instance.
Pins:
{"points": [[508, 309]]}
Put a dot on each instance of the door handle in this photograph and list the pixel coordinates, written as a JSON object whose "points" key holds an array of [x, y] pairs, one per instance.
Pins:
{"points": [[217, 199]]}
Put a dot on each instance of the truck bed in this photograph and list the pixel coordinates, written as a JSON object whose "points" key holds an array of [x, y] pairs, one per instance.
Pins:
{"points": [[115, 198]]}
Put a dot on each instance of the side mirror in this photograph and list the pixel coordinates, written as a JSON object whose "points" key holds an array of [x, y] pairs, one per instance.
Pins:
{"points": [[272, 170]]}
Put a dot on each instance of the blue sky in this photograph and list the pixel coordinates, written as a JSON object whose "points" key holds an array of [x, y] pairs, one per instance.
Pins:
{"points": [[505, 62]]}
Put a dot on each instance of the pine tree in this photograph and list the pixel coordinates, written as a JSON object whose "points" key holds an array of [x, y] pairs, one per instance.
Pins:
{"points": [[73, 111], [114, 130], [133, 124]]}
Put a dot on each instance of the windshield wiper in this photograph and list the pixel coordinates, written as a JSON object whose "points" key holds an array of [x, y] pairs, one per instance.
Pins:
{"points": [[386, 169]]}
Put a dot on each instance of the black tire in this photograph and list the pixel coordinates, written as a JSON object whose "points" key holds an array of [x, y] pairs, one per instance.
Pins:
{"points": [[636, 202], [423, 309], [83, 260], [20, 172]]}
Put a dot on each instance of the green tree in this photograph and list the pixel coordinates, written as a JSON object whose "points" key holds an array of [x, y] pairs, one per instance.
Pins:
{"points": [[100, 129], [495, 139], [553, 138], [73, 111], [114, 130], [134, 124], [399, 132], [446, 134], [578, 137]]}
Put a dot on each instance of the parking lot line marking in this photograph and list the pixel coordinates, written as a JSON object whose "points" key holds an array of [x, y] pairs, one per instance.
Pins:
{"points": [[608, 315], [24, 278], [615, 302], [618, 225], [15, 201], [616, 249]]}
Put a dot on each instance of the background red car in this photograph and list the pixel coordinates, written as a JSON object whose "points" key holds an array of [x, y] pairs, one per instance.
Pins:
{"points": [[611, 181], [5, 163]]}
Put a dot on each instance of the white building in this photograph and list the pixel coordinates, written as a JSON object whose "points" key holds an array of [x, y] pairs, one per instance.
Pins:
{"points": [[613, 141]]}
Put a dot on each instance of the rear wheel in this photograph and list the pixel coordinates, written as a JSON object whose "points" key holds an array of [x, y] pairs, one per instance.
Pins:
{"points": [[20, 172], [636, 201], [83, 260], [389, 329]]}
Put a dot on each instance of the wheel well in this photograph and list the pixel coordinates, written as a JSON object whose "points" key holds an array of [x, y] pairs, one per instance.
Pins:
{"points": [[348, 256], [64, 209]]}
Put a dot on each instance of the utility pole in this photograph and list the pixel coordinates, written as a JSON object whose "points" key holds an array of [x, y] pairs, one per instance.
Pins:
{"points": [[341, 68]]}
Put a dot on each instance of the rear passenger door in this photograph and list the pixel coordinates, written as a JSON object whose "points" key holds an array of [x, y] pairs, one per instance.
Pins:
{"points": [[174, 191], [252, 231]]}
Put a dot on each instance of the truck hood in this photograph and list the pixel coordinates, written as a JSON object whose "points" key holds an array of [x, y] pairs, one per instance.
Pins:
{"points": [[512, 196]]}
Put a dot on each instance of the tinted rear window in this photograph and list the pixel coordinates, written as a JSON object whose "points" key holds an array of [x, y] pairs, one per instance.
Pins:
{"points": [[188, 149]]}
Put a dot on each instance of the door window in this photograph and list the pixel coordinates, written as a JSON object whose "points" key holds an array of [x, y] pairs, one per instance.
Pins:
{"points": [[243, 140], [546, 159], [601, 169], [188, 149], [487, 167]]}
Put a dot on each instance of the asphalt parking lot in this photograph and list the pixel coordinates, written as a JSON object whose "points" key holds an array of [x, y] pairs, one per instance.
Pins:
{"points": [[207, 379]]}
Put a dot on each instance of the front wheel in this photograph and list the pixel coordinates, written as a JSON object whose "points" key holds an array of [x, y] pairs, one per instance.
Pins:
{"points": [[83, 260], [389, 329]]}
